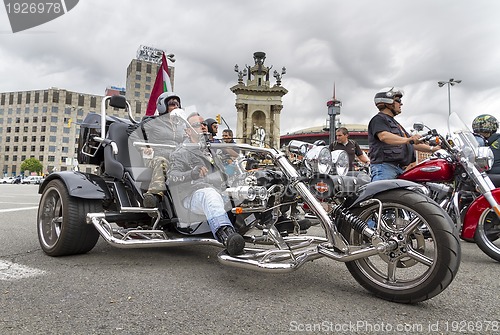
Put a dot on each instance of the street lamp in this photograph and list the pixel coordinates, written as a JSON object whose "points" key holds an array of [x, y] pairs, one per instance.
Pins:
{"points": [[450, 82]]}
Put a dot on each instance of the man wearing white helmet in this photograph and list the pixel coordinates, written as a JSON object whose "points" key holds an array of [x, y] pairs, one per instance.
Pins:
{"points": [[161, 129], [392, 148]]}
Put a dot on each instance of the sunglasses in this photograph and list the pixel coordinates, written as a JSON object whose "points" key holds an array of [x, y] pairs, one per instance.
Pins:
{"points": [[173, 102], [198, 124], [397, 100]]}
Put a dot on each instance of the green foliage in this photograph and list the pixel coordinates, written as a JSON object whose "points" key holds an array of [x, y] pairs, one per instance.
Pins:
{"points": [[32, 165]]}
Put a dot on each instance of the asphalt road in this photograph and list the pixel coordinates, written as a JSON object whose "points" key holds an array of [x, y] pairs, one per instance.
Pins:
{"points": [[186, 291]]}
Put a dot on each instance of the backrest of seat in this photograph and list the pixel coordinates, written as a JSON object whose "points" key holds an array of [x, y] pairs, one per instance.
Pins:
{"points": [[128, 158]]}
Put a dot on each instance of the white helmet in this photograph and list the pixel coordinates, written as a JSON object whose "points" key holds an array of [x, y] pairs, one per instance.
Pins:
{"points": [[162, 101], [387, 95]]}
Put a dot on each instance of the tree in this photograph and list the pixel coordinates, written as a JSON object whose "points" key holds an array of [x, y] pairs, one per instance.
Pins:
{"points": [[32, 165]]}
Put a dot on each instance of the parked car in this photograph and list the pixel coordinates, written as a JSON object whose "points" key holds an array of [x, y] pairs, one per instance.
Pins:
{"points": [[32, 180], [7, 180]]}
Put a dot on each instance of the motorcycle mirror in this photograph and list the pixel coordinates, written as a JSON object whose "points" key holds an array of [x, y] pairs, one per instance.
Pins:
{"points": [[418, 126]]}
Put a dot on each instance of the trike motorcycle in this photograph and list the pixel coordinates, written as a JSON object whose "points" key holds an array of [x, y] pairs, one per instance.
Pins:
{"points": [[456, 178], [391, 260]]}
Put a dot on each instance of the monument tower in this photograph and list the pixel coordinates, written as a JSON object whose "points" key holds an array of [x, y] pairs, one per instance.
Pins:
{"points": [[258, 105]]}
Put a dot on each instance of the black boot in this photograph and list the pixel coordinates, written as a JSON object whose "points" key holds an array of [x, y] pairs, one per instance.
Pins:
{"points": [[151, 200], [234, 242]]}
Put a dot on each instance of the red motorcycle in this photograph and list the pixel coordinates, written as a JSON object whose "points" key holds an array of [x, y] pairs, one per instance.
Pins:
{"points": [[456, 179]]}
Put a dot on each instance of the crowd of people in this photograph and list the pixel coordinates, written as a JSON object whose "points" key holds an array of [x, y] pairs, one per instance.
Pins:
{"points": [[391, 151]]}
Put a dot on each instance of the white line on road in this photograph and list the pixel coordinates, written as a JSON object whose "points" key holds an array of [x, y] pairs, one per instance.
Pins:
{"points": [[17, 209], [13, 271]]}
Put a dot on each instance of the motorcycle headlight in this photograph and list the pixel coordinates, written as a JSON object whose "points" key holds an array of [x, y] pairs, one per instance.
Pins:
{"points": [[484, 158], [318, 159], [340, 161]]}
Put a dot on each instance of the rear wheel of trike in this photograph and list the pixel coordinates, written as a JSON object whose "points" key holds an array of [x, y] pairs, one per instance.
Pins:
{"points": [[427, 256], [61, 222]]}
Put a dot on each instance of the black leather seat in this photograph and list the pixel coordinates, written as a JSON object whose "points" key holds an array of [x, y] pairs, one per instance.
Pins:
{"points": [[128, 159]]}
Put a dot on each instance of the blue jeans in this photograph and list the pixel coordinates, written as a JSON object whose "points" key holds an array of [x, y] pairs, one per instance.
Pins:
{"points": [[208, 202], [384, 171]]}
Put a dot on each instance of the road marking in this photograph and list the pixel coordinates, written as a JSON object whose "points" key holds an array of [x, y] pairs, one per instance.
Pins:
{"points": [[17, 209], [13, 271]]}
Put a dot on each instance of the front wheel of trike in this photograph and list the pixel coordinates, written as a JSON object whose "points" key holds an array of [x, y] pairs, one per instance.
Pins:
{"points": [[427, 256], [61, 222]]}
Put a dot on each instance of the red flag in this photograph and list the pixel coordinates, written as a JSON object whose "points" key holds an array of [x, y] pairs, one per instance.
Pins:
{"points": [[162, 84]]}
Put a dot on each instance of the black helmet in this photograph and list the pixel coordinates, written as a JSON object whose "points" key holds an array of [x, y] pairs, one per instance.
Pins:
{"points": [[319, 142], [162, 101], [387, 95], [485, 123], [209, 123]]}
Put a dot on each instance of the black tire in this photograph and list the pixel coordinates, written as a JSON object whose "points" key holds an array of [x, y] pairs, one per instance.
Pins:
{"points": [[428, 254], [487, 235], [61, 222]]}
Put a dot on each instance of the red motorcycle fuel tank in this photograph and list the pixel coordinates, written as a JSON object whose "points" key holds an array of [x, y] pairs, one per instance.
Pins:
{"points": [[430, 170]]}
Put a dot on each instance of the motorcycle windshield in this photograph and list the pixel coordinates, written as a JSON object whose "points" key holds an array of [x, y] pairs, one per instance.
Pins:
{"points": [[462, 137]]}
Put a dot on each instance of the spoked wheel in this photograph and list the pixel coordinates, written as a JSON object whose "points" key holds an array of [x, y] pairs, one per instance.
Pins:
{"points": [[426, 253], [61, 222], [487, 236]]}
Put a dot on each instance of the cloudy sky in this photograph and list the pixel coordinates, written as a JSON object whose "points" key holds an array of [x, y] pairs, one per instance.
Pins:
{"points": [[360, 45]]}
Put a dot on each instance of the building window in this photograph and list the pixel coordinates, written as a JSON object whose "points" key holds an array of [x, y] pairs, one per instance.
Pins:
{"points": [[16, 129], [18, 119], [33, 138], [55, 97], [137, 77], [37, 97], [11, 99], [26, 119], [16, 139], [33, 129], [137, 85], [52, 138], [40, 158], [15, 148], [138, 107], [44, 118], [25, 129], [55, 109], [7, 139], [33, 148], [35, 110], [42, 138], [42, 148], [138, 67], [14, 158], [148, 79], [27, 110], [137, 94], [19, 98], [3, 99], [51, 158], [25, 138], [93, 102], [53, 129], [69, 98], [43, 129], [53, 119], [28, 97], [35, 118], [7, 149], [23, 148], [52, 148], [45, 96], [81, 100]]}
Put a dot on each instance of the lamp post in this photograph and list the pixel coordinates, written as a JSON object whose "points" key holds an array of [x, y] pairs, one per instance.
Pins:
{"points": [[450, 82]]}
